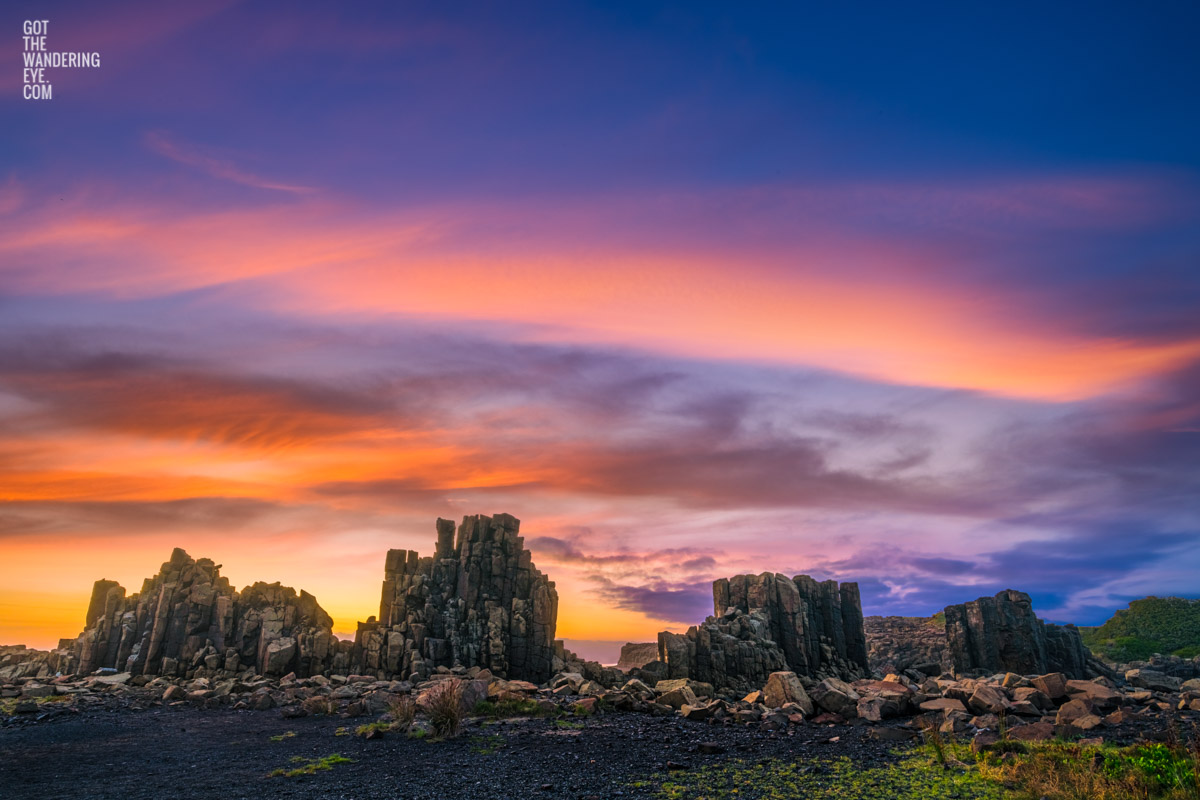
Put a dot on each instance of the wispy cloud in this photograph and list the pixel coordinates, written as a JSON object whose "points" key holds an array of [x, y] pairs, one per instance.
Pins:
{"points": [[215, 166]]}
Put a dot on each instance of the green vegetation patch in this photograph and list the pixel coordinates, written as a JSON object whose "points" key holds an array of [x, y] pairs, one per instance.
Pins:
{"points": [[1150, 625], [911, 778], [310, 766], [280, 737], [1066, 771], [8, 705], [372, 727], [486, 745], [506, 709]]}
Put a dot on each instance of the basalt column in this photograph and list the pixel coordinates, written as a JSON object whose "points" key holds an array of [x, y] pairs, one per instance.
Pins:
{"points": [[478, 601]]}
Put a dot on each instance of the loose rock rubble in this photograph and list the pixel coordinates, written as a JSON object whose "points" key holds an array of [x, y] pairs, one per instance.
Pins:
{"points": [[898, 706]]}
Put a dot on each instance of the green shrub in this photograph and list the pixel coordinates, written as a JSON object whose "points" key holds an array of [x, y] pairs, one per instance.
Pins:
{"points": [[1150, 625]]}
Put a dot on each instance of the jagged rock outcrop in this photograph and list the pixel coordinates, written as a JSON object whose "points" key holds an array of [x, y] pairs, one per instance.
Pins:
{"points": [[478, 601], [896, 644], [635, 655], [1002, 634], [188, 619], [771, 623], [19, 661]]}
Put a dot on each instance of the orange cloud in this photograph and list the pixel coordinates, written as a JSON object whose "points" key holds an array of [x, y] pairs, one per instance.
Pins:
{"points": [[876, 309]]}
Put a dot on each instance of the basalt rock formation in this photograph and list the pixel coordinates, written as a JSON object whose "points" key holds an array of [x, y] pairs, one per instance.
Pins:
{"points": [[1002, 634], [896, 644], [635, 655], [769, 623], [188, 617], [477, 602]]}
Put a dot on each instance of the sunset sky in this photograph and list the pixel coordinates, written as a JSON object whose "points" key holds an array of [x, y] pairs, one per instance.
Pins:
{"points": [[906, 295]]}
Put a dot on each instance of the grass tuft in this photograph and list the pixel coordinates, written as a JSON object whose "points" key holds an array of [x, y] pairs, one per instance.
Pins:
{"points": [[404, 712], [282, 736], [444, 706]]}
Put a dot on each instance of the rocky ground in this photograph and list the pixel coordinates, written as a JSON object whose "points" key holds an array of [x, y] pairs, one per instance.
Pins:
{"points": [[122, 736], [187, 751]]}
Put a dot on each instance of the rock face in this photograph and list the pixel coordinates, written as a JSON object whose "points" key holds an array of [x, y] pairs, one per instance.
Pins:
{"points": [[478, 602], [635, 655], [1002, 634], [895, 644], [771, 623], [188, 617]]}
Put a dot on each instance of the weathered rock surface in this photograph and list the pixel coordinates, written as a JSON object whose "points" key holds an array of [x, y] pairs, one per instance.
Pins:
{"points": [[771, 623], [636, 655], [896, 644], [1002, 634], [188, 618], [477, 602]]}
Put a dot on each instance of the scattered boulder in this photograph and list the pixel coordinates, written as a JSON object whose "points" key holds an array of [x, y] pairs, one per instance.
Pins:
{"points": [[783, 688], [835, 696]]}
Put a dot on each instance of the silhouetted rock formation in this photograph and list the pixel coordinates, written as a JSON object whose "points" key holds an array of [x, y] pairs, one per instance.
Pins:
{"points": [[1002, 634], [188, 617], [895, 644], [770, 623], [477, 602]]}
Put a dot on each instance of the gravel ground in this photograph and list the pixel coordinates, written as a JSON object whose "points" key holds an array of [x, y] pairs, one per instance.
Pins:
{"points": [[174, 752]]}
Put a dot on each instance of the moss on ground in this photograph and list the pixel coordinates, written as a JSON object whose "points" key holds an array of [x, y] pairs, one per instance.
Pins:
{"points": [[915, 777], [506, 709], [310, 766], [486, 745], [8, 705]]}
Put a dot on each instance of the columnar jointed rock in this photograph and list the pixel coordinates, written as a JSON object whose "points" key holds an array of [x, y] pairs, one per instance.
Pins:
{"points": [[188, 617], [478, 602], [769, 623], [1002, 634], [895, 644]]}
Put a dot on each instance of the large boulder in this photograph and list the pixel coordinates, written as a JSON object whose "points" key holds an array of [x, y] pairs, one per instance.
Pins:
{"points": [[783, 688], [836, 696], [280, 654]]}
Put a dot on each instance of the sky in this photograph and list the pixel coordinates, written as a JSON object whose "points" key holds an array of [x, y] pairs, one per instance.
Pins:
{"points": [[902, 295]]}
